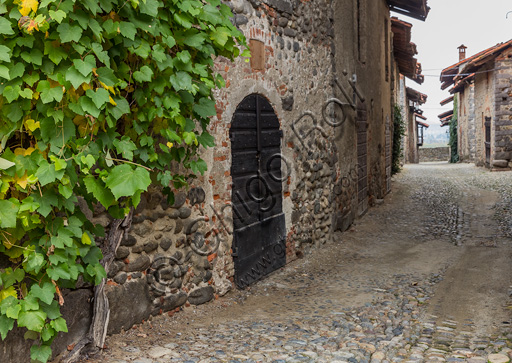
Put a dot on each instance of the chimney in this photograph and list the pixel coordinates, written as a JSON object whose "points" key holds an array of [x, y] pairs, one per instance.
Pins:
{"points": [[462, 52]]}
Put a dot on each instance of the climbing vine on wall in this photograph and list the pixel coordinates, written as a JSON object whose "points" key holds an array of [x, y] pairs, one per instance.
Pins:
{"points": [[398, 133], [98, 99], [454, 156]]}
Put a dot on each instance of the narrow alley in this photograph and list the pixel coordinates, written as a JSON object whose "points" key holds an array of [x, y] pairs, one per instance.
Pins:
{"points": [[422, 277]]}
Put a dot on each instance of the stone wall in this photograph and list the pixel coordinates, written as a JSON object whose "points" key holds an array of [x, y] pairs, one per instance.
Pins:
{"points": [[434, 154], [484, 98], [181, 253], [466, 129], [501, 152]]}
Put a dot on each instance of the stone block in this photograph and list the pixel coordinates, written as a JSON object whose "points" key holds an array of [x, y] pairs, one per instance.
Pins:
{"points": [[174, 301], [284, 6], [201, 295], [500, 163], [141, 263], [503, 155], [130, 303]]}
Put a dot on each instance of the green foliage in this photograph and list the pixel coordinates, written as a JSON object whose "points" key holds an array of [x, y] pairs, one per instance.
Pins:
{"points": [[454, 155], [398, 133], [98, 99]]}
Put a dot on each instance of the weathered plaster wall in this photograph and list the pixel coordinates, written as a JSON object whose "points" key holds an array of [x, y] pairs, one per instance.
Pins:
{"points": [[501, 151], [484, 98], [180, 253], [466, 115], [362, 43]]}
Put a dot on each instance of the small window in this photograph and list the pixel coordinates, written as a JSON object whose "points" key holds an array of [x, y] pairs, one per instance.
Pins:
{"points": [[257, 48]]}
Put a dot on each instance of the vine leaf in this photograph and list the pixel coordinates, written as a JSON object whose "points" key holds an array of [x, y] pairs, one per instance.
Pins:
{"points": [[45, 293], [26, 6], [6, 324], [32, 320], [40, 353], [125, 181], [8, 212], [5, 27], [102, 194], [5, 164]]}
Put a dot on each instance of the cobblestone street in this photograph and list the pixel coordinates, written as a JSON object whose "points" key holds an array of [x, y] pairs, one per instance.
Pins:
{"points": [[424, 276]]}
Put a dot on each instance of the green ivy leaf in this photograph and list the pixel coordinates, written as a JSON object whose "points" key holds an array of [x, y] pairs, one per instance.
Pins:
{"points": [[5, 26], [85, 66], [34, 262], [102, 194], [45, 293], [125, 181], [149, 7], [46, 173], [205, 108], [6, 325], [88, 106], [99, 97], [40, 353], [5, 54], [107, 76], [4, 72], [59, 324], [181, 81], [128, 30], [58, 15], [69, 33], [144, 75], [32, 320], [76, 78], [8, 211]]}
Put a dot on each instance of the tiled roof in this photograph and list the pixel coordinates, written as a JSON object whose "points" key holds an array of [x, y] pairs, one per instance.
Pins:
{"points": [[446, 101], [448, 74], [404, 50], [416, 9], [416, 96], [445, 114]]}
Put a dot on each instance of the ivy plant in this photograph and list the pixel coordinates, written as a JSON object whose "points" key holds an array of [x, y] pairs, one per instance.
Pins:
{"points": [[98, 99], [398, 134]]}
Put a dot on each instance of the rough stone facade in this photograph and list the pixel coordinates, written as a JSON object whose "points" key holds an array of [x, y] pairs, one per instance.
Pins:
{"points": [[502, 120], [466, 121], [333, 156], [326, 69], [434, 154], [182, 254], [486, 99]]}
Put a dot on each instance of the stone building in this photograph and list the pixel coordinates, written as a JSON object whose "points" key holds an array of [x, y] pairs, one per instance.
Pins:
{"points": [[415, 125], [482, 84], [408, 99], [303, 147]]}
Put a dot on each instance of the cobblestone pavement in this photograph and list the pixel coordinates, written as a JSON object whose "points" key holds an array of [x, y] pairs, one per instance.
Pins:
{"points": [[422, 277]]}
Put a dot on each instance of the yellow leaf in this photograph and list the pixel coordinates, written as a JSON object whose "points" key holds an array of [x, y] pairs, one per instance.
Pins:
{"points": [[112, 102], [22, 182], [10, 291], [35, 95], [108, 88], [86, 86], [169, 144], [25, 6], [32, 125], [86, 240], [24, 152]]}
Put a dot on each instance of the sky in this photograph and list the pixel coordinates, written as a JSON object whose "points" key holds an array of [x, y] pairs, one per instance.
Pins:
{"points": [[476, 24]]}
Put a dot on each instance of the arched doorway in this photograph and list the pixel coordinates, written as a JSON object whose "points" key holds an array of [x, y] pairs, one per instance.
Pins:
{"points": [[259, 235]]}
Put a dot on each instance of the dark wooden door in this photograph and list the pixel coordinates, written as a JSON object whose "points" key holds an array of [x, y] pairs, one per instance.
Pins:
{"points": [[487, 140], [258, 220], [362, 163]]}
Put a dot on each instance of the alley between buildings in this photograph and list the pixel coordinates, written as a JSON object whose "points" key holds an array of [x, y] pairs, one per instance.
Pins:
{"points": [[422, 277]]}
